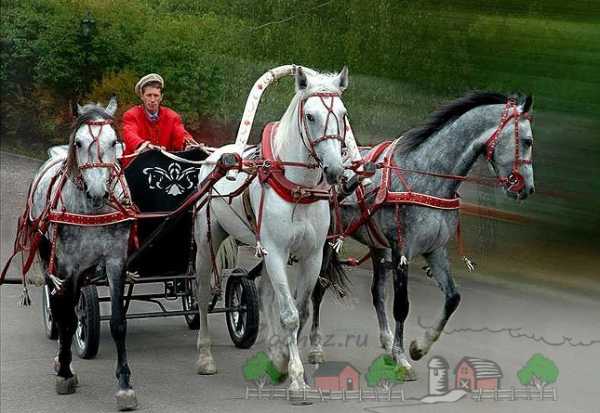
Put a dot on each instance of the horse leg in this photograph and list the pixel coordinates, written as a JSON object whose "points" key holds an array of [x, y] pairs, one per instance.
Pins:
{"points": [[306, 284], [440, 270], [62, 306], [277, 349], [289, 318], [126, 398], [401, 307], [204, 270], [379, 257], [316, 354]]}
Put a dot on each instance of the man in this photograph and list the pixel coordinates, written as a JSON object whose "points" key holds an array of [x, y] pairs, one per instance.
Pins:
{"points": [[150, 125]]}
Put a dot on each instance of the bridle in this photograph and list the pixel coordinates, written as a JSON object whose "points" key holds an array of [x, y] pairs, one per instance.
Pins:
{"points": [[99, 162], [513, 182], [303, 125]]}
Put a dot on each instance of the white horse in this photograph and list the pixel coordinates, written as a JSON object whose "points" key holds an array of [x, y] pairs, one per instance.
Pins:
{"points": [[310, 132]]}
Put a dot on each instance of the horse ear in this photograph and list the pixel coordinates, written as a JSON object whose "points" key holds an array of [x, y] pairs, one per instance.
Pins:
{"points": [[301, 80], [528, 104], [111, 109], [79, 110], [342, 79]]}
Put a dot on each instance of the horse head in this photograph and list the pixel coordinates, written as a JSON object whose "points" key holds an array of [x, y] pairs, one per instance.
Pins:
{"points": [[92, 156], [509, 148], [321, 118]]}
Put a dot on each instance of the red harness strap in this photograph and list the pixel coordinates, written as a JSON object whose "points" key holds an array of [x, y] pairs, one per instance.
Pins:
{"points": [[64, 217], [386, 197], [272, 173], [366, 211], [407, 197]]}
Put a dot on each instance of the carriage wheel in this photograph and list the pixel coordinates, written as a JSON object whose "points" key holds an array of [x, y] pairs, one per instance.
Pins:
{"points": [[189, 303], [87, 335], [49, 324], [242, 323]]}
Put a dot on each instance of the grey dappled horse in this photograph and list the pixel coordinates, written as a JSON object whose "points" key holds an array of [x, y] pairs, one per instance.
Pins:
{"points": [[89, 164], [450, 143]]}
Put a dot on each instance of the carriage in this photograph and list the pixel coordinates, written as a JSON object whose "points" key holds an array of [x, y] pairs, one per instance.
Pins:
{"points": [[160, 183]]}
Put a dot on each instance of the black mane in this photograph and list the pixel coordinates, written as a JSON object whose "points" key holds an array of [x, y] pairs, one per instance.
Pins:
{"points": [[448, 113]]}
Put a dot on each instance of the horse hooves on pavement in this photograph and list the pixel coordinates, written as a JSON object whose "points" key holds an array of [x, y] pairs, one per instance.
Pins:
{"points": [[415, 352], [66, 385], [126, 400], [206, 367], [56, 367], [316, 357]]}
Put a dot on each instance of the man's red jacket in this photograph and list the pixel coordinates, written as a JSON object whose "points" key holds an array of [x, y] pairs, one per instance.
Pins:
{"points": [[167, 131]]}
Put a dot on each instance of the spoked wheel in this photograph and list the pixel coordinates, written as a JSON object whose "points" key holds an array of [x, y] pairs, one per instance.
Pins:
{"points": [[242, 320], [87, 335], [49, 324], [189, 303]]}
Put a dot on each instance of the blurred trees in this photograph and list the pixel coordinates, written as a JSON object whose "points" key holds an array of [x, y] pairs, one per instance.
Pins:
{"points": [[210, 53]]}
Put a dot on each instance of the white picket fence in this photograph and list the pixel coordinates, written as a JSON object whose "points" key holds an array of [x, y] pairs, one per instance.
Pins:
{"points": [[524, 393], [275, 393]]}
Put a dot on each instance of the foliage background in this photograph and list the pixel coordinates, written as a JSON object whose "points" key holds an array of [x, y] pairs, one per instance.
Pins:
{"points": [[405, 59]]}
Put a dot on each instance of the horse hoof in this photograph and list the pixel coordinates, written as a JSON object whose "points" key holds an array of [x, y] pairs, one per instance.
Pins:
{"points": [[206, 366], [126, 400], [57, 369], [66, 385], [316, 357], [415, 352]]}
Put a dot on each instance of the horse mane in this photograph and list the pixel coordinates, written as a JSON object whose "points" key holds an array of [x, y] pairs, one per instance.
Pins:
{"points": [[89, 112], [452, 111]]}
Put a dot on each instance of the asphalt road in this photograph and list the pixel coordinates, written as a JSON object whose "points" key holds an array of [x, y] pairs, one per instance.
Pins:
{"points": [[162, 351]]}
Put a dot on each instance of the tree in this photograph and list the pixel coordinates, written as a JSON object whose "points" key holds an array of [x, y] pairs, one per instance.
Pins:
{"points": [[385, 372], [260, 369], [539, 372]]}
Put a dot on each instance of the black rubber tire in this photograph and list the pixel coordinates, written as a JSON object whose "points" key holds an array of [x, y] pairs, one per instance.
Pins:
{"points": [[188, 302], [242, 325], [49, 325], [87, 335]]}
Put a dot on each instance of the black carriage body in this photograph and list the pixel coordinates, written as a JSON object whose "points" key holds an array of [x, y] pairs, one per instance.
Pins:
{"points": [[160, 184]]}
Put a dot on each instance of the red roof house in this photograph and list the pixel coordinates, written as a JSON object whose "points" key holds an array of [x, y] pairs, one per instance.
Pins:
{"points": [[336, 375], [473, 373]]}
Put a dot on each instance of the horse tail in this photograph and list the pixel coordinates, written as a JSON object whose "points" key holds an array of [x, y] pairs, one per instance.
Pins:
{"points": [[333, 273], [226, 254]]}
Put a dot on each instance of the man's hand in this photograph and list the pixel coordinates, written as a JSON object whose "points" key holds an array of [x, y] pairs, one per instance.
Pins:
{"points": [[147, 146], [158, 147]]}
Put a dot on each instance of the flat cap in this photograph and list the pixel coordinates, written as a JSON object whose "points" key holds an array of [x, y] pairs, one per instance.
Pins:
{"points": [[151, 77]]}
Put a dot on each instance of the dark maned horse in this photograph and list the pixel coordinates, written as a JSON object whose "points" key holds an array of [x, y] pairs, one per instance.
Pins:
{"points": [[85, 183], [477, 124]]}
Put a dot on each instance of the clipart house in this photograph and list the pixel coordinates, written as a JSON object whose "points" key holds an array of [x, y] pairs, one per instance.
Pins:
{"points": [[471, 373], [336, 375]]}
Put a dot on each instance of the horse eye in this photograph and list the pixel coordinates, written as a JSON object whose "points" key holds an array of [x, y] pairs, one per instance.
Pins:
{"points": [[310, 117], [527, 143], [113, 144], [78, 144]]}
